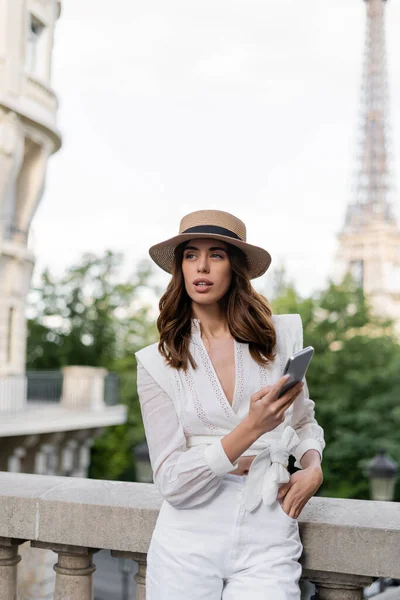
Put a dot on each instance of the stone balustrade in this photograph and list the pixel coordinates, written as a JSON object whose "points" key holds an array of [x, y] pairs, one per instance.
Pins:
{"points": [[74, 388], [347, 543]]}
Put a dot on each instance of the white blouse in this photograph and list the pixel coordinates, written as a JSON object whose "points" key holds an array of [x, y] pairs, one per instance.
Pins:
{"points": [[184, 423]]}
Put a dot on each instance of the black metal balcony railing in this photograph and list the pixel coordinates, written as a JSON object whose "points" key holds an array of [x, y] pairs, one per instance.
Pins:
{"points": [[46, 386], [111, 389]]}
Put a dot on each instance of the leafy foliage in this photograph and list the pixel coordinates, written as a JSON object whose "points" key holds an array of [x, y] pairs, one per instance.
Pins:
{"points": [[354, 379], [89, 317]]}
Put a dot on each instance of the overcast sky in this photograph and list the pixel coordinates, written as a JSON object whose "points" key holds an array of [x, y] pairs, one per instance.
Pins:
{"points": [[247, 106]]}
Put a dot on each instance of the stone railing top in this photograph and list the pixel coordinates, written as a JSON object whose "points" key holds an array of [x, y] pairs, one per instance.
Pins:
{"points": [[342, 536], [48, 417]]}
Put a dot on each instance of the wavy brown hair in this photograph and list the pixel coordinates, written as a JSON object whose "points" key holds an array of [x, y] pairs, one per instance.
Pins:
{"points": [[248, 314]]}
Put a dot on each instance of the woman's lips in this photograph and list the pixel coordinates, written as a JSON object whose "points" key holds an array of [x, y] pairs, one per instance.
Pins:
{"points": [[202, 289]]}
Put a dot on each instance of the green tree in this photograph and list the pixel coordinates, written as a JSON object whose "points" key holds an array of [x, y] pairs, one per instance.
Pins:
{"points": [[354, 379], [89, 316]]}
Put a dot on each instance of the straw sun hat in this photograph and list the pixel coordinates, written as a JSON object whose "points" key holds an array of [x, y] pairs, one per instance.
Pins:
{"points": [[212, 224]]}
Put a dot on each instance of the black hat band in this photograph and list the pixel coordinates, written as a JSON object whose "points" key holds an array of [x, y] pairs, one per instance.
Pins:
{"points": [[212, 229]]}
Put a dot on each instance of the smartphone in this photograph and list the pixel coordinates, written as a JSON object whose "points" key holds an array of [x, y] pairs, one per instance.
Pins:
{"points": [[297, 366]]}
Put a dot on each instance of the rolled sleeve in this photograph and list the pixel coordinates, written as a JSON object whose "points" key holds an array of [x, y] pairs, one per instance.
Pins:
{"points": [[303, 447], [217, 459]]}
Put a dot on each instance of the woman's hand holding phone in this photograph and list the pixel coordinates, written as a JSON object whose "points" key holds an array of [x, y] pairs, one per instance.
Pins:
{"points": [[267, 410]]}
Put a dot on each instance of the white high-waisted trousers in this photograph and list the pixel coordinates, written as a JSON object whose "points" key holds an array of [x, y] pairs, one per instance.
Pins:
{"points": [[218, 550]]}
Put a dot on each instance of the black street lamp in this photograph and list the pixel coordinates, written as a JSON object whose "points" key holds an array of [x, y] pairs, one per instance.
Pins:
{"points": [[382, 471], [144, 472]]}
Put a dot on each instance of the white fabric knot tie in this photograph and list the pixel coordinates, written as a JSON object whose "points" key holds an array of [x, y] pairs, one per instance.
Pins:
{"points": [[269, 470]]}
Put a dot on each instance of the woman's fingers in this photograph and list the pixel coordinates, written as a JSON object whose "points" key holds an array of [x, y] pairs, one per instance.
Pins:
{"points": [[270, 394], [276, 389], [291, 394], [268, 408], [262, 392], [283, 403]]}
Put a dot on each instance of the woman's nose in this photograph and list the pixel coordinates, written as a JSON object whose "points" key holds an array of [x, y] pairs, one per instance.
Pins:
{"points": [[203, 264]]}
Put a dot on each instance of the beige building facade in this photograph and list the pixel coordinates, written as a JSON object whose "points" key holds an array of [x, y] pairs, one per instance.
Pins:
{"points": [[37, 435], [28, 137]]}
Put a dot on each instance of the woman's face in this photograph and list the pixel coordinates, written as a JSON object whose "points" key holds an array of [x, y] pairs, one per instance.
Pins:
{"points": [[206, 260]]}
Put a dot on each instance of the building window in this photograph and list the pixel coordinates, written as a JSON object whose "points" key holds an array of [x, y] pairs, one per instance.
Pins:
{"points": [[35, 47], [10, 326]]}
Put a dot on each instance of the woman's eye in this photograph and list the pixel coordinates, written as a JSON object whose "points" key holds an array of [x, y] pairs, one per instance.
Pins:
{"points": [[190, 254]]}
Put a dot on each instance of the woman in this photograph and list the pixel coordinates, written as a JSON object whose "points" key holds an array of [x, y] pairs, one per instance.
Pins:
{"points": [[219, 437]]}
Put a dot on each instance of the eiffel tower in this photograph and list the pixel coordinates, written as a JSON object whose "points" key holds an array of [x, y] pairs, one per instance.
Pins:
{"points": [[369, 242]]}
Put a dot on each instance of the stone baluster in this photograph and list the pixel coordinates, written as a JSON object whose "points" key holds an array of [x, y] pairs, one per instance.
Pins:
{"points": [[338, 586], [74, 571], [68, 458], [46, 451], [140, 576], [40, 466], [30, 443], [16, 460], [84, 458], [49, 452], [9, 558], [51, 447]]}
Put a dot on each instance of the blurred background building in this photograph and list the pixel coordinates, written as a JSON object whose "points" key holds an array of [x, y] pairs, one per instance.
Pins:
{"points": [[48, 420], [369, 243]]}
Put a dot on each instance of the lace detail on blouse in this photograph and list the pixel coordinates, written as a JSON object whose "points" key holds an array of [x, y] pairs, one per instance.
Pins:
{"points": [[280, 353], [180, 412], [239, 389], [264, 375], [216, 386], [197, 402]]}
